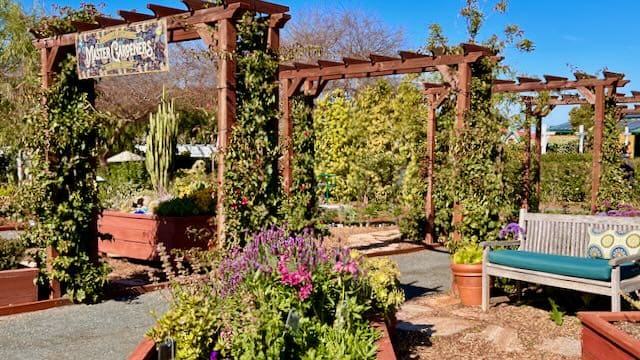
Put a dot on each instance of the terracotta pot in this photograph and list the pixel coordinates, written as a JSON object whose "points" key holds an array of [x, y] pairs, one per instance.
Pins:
{"points": [[136, 236], [602, 340], [468, 281]]}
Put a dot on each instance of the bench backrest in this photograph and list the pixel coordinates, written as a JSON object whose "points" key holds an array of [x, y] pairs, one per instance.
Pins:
{"points": [[567, 234]]}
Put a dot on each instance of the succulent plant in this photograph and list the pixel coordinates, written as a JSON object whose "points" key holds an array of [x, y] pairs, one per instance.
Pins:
{"points": [[161, 145]]}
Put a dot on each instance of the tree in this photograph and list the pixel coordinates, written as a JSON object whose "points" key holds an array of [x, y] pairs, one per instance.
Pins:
{"points": [[582, 115], [19, 70]]}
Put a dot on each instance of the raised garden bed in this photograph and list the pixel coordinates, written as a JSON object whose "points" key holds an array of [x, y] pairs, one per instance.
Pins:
{"points": [[136, 236], [603, 340], [146, 349], [18, 286]]}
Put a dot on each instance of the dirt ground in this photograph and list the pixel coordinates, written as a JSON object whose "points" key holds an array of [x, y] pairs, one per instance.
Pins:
{"points": [[338, 235], [505, 331]]}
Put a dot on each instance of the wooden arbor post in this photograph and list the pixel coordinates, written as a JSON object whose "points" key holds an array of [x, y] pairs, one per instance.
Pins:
{"points": [[435, 94], [598, 132]]}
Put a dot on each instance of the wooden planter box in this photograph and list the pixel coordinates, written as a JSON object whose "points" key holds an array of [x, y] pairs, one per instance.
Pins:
{"points": [[602, 340], [18, 286], [146, 350], [136, 235]]}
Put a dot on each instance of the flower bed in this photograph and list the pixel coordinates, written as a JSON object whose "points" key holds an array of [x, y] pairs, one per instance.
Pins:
{"points": [[280, 297]]}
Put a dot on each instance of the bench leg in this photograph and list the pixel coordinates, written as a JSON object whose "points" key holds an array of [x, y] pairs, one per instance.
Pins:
{"points": [[615, 289], [485, 283]]}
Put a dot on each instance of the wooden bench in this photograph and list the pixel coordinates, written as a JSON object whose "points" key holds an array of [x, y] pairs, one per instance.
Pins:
{"points": [[566, 235]]}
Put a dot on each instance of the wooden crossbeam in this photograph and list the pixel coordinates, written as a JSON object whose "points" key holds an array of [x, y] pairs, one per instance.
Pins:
{"points": [[582, 75], [381, 58], [107, 21], [352, 61], [83, 26], [609, 74], [299, 66], [132, 16], [353, 68], [325, 63], [556, 85], [471, 48], [411, 55], [551, 78], [525, 80], [163, 11], [501, 81], [194, 5], [260, 6], [284, 67]]}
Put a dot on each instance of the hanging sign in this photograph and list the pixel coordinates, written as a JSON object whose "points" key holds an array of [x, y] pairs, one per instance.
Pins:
{"points": [[123, 50]]}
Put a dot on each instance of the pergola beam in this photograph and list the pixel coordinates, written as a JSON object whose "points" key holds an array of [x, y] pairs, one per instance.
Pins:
{"points": [[179, 21], [362, 66]]}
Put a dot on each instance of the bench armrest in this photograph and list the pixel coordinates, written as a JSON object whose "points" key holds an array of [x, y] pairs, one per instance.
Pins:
{"points": [[490, 244], [623, 259]]}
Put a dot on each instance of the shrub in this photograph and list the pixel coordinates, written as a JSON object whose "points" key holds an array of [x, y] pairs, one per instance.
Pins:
{"points": [[565, 178], [11, 253]]}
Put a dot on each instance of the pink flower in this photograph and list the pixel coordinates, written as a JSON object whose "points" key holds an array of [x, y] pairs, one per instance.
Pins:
{"points": [[245, 202], [305, 291], [338, 267]]}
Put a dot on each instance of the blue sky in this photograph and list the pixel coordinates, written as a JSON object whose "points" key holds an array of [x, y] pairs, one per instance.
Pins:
{"points": [[585, 34]]}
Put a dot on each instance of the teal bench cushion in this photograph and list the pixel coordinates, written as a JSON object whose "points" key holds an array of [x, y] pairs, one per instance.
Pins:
{"points": [[585, 268]]}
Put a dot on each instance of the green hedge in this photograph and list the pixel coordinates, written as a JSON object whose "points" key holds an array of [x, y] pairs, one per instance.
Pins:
{"points": [[565, 178]]}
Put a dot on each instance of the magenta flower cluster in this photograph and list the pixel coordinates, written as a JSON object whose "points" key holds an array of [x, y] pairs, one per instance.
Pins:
{"points": [[300, 278], [291, 260]]}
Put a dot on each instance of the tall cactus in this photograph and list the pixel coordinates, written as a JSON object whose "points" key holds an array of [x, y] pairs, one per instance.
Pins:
{"points": [[161, 145]]}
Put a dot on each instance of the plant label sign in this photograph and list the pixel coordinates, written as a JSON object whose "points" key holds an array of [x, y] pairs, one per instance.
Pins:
{"points": [[123, 50]]}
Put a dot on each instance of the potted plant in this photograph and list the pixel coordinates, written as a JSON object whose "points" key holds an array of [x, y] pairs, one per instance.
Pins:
{"points": [[611, 335], [466, 266], [167, 214]]}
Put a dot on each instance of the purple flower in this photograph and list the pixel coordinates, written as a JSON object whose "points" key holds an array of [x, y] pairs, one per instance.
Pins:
{"points": [[514, 230], [214, 355]]}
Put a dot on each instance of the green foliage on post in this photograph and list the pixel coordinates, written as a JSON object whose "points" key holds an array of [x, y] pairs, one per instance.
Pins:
{"points": [[252, 189], [161, 145], [616, 188], [301, 207], [62, 194]]}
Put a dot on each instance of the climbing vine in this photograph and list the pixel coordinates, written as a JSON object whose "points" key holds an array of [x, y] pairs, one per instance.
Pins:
{"points": [[252, 185], [301, 208], [62, 195], [616, 187]]}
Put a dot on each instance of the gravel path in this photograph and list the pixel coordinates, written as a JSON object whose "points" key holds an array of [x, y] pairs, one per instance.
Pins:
{"points": [[424, 272], [109, 330]]}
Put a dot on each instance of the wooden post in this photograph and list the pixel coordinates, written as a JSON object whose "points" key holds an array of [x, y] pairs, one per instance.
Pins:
{"points": [[286, 139], [431, 145], [538, 150], [463, 103], [526, 161], [47, 59], [597, 146], [226, 109]]}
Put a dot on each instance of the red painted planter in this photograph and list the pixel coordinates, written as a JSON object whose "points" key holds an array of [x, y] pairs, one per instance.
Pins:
{"points": [[136, 236], [602, 340], [18, 286], [146, 349]]}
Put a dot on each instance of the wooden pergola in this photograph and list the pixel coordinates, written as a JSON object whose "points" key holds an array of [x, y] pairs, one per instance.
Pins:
{"points": [[592, 90], [310, 79], [193, 23]]}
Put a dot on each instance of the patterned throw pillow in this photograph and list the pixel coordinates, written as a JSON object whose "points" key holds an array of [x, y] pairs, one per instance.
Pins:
{"points": [[609, 244]]}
